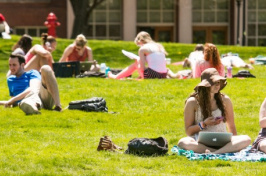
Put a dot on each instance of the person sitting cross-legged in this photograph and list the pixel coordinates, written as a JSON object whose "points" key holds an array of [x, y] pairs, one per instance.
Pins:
{"points": [[201, 111], [31, 90]]}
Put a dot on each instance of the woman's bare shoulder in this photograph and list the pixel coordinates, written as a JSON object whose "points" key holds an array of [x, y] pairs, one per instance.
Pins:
{"points": [[226, 99], [192, 101], [71, 46]]}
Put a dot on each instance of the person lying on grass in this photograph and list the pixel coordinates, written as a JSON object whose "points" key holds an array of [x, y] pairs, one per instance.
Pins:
{"points": [[30, 90], [201, 109], [151, 53], [260, 142]]}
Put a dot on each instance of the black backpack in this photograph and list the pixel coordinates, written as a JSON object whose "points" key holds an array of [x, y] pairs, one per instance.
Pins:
{"points": [[244, 74], [95, 104], [98, 74], [147, 147]]}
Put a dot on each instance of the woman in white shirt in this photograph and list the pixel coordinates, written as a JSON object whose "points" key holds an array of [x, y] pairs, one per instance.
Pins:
{"points": [[151, 53], [209, 110]]}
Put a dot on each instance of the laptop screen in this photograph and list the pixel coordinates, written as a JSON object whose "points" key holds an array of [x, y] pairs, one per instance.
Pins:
{"points": [[85, 66]]}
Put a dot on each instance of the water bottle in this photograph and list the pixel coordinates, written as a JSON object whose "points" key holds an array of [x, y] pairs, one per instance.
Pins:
{"points": [[229, 72], [103, 68], [106, 71]]}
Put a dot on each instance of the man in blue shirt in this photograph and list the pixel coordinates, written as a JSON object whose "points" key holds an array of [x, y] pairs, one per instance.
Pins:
{"points": [[30, 90]]}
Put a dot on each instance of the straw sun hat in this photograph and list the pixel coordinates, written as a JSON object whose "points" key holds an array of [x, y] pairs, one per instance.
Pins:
{"points": [[209, 77]]}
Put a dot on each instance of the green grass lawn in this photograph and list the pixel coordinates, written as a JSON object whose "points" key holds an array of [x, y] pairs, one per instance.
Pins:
{"points": [[65, 143]]}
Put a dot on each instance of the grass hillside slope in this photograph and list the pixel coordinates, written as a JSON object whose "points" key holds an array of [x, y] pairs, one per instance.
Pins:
{"points": [[65, 143]]}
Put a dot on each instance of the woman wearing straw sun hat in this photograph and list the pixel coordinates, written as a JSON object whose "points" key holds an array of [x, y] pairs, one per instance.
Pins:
{"points": [[201, 111]]}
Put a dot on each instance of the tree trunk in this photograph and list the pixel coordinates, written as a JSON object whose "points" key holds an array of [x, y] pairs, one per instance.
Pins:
{"points": [[79, 8], [82, 10]]}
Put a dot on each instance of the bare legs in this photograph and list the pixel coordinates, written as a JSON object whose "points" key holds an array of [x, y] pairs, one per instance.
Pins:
{"points": [[171, 74], [262, 146], [49, 81], [188, 143], [37, 62], [126, 72], [237, 143]]}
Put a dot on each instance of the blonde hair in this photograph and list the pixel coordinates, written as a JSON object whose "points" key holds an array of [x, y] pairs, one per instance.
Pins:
{"points": [[81, 40], [143, 37]]}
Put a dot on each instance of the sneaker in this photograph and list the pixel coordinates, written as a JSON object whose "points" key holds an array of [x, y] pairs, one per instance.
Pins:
{"points": [[29, 109]]}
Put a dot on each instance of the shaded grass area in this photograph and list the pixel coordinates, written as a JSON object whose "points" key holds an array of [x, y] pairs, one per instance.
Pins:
{"points": [[65, 143]]}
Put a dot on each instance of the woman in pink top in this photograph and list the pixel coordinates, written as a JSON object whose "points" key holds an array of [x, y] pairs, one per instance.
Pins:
{"points": [[40, 55], [78, 51], [211, 60]]}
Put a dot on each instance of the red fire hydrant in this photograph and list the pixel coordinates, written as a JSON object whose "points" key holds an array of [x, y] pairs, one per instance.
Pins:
{"points": [[51, 24]]}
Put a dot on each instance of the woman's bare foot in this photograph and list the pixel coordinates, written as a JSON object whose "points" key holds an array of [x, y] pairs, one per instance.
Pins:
{"points": [[207, 151], [111, 75]]}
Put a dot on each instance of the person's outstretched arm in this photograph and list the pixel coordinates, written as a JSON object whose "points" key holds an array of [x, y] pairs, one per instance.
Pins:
{"points": [[3, 102], [66, 53], [141, 62], [90, 55], [19, 97], [34, 85]]}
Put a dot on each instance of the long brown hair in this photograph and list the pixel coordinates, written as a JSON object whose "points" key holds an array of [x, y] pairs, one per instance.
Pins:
{"points": [[25, 43], [211, 54], [203, 98]]}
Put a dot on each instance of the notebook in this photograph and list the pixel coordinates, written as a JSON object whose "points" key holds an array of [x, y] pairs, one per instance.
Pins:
{"points": [[66, 69], [214, 139], [130, 55], [85, 66]]}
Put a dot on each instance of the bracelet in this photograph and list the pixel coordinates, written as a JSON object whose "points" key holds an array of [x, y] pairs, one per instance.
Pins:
{"points": [[200, 126]]}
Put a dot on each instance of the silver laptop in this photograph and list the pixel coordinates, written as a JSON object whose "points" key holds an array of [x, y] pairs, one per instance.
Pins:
{"points": [[85, 66], [214, 139]]}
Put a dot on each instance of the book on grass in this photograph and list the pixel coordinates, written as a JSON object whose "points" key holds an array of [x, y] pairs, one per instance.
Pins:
{"points": [[130, 55]]}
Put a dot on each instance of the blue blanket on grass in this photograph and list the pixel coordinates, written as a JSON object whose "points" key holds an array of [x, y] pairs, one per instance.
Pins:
{"points": [[244, 155]]}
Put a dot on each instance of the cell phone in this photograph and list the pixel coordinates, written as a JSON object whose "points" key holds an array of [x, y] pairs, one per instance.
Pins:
{"points": [[218, 118], [47, 44]]}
